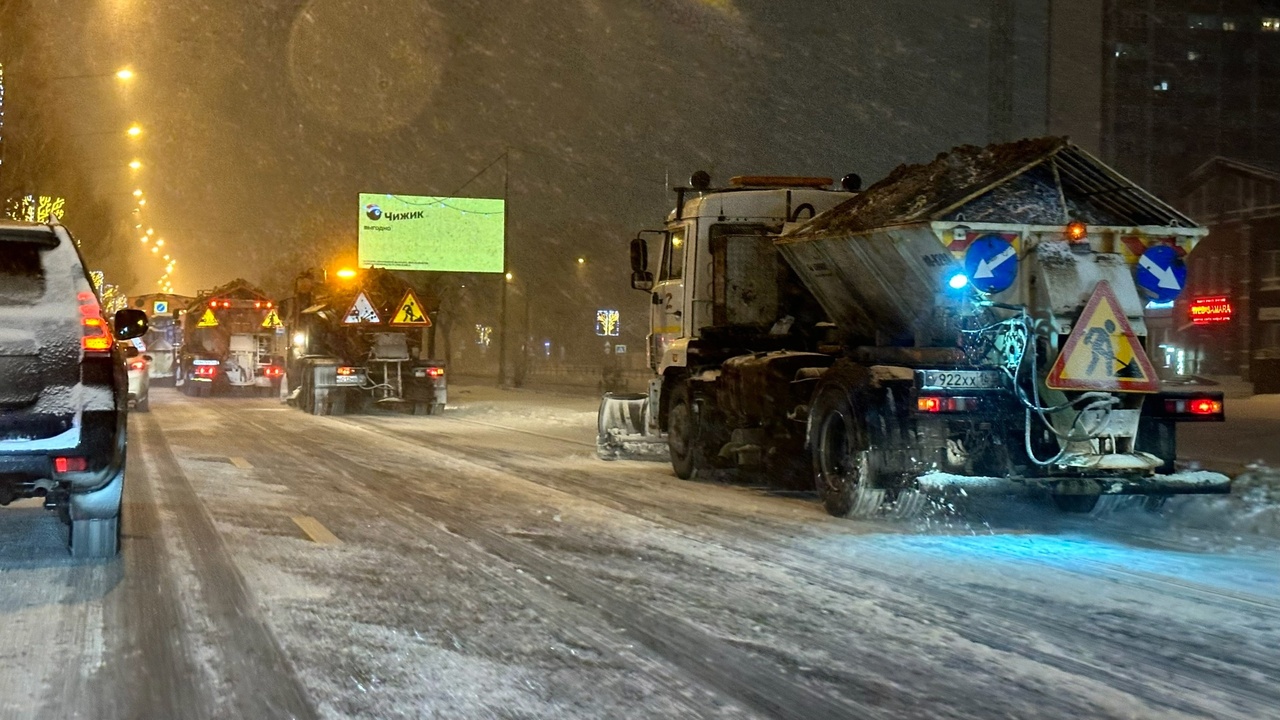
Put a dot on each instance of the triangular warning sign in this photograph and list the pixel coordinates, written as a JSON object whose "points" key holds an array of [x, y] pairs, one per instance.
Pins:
{"points": [[1102, 352], [208, 319], [410, 312], [362, 312], [273, 320]]}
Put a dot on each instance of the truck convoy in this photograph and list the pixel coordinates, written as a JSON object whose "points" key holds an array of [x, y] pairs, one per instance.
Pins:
{"points": [[361, 341], [973, 324], [230, 343]]}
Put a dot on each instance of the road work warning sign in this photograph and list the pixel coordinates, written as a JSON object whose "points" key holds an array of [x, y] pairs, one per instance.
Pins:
{"points": [[273, 320], [208, 319], [1102, 352], [411, 313], [362, 312]]}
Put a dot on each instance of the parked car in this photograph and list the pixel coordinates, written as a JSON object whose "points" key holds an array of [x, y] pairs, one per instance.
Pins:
{"points": [[139, 378], [63, 386]]}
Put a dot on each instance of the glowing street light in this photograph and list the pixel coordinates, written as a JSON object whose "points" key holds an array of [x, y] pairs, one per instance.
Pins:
{"points": [[134, 130], [124, 74], [142, 202], [137, 193], [510, 277], [151, 231], [346, 273], [135, 165], [143, 239], [160, 242]]}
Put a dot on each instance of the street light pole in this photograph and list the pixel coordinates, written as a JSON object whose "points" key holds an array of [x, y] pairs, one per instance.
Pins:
{"points": [[506, 274]]}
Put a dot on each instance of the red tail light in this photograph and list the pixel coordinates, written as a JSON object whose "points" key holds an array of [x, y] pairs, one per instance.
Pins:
{"points": [[137, 364], [1199, 408], [273, 371], [1204, 407], [206, 371], [96, 335], [70, 464], [946, 404], [435, 372]]}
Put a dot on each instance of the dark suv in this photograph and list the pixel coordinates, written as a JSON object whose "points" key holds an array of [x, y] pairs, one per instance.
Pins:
{"points": [[63, 386]]}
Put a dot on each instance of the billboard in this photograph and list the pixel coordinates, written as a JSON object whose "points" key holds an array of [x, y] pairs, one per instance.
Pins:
{"points": [[411, 232]]}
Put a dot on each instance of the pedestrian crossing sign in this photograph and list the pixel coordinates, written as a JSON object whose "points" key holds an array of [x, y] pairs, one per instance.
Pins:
{"points": [[208, 320], [1102, 352], [410, 312], [362, 312], [273, 319]]}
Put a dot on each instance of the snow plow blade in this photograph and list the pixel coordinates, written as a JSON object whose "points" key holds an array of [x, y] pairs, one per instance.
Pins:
{"points": [[621, 430], [1192, 482]]}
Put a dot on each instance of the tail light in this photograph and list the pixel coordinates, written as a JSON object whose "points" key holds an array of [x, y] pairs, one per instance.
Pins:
{"points": [[273, 371], [207, 371], [1077, 232], [346, 371], [1203, 407], [70, 464], [96, 334], [138, 364], [435, 372], [945, 404]]}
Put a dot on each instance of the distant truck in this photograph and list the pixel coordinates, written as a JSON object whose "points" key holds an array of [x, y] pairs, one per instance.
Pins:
{"points": [[361, 342], [231, 342], [974, 324]]}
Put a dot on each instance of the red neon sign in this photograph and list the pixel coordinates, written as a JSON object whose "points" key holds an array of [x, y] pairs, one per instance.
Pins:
{"points": [[1209, 310]]}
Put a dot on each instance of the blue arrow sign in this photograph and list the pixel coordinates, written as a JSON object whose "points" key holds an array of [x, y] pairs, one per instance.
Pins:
{"points": [[1161, 272], [991, 263]]}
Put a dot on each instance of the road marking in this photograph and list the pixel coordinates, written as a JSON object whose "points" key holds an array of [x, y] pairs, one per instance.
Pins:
{"points": [[318, 533], [241, 463]]}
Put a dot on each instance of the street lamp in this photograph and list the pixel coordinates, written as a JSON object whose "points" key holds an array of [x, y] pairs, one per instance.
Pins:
{"points": [[135, 165], [134, 130]]}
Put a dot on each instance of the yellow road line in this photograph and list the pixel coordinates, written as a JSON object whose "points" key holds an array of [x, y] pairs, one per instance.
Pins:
{"points": [[318, 533], [241, 463]]}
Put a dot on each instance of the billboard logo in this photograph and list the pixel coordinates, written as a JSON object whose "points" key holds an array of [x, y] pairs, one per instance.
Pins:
{"points": [[373, 211]]}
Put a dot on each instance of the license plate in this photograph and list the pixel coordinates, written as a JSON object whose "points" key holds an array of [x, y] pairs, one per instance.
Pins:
{"points": [[958, 379], [348, 380]]}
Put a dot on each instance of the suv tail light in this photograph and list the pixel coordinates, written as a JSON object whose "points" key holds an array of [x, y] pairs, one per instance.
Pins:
{"points": [[70, 464], [96, 334], [435, 372]]}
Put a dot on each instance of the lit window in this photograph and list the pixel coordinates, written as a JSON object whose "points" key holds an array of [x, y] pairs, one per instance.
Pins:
{"points": [[1194, 55], [1228, 25], [1162, 86], [1271, 24]]}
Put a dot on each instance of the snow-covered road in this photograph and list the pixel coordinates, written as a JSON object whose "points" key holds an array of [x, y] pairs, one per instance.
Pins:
{"points": [[486, 564]]}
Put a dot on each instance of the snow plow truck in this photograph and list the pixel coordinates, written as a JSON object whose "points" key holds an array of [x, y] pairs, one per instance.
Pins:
{"points": [[971, 325], [229, 343], [361, 342]]}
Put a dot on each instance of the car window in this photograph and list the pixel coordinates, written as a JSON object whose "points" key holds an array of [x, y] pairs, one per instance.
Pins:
{"points": [[21, 274]]}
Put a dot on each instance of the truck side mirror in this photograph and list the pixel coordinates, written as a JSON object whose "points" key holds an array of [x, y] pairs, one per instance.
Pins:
{"points": [[642, 280], [130, 324], [639, 255]]}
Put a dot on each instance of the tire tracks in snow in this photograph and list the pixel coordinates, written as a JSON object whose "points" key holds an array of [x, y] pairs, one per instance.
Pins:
{"points": [[719, 665], [1014, 614]]}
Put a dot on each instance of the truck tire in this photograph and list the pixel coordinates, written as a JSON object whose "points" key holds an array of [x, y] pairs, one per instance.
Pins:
{"points": [[843, 466], [95, 538], [684, 437]]}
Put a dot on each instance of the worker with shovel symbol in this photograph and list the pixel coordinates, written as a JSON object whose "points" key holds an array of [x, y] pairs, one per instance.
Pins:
{"points": [[1099, 341], [410, 313]]}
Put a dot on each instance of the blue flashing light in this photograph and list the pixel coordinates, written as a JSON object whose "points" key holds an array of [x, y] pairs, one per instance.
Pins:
{"points": [[959, 281]]}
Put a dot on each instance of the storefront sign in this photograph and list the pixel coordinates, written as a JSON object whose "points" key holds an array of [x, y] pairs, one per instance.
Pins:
{"points": [[1210, 310]]}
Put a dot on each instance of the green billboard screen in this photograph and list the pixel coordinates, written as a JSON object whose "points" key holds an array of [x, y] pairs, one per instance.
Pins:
{"points": [[410, 232]]}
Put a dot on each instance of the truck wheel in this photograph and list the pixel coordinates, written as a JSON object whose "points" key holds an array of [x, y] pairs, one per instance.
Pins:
{"points": [[97, 538], [843, 465], [422, 408], [683, 436]]}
